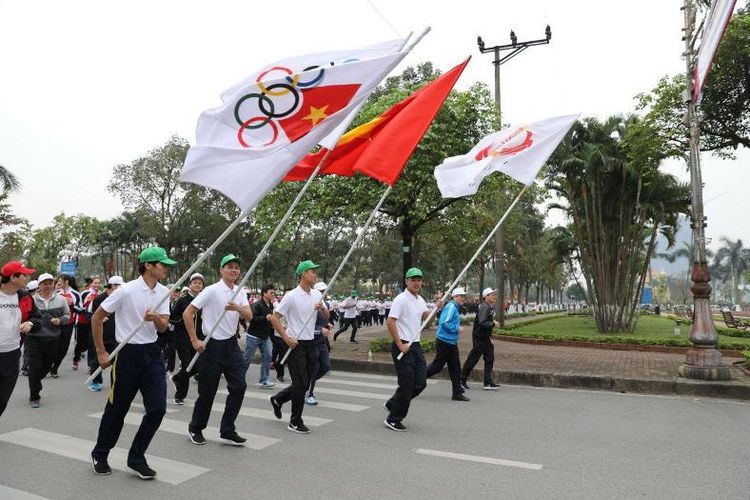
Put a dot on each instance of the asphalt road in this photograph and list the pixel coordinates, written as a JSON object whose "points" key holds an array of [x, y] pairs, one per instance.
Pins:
{"points": [[518, 442]]}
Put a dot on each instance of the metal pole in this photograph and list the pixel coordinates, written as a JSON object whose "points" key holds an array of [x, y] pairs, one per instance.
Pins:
{"points": [[500, 234], [703, 360], [174, 287]]}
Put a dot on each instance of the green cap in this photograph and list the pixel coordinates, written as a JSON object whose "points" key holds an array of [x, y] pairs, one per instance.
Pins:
{"points": [[305, 265], [155, 254], [229, 258], [414, 273], [354, 293]]}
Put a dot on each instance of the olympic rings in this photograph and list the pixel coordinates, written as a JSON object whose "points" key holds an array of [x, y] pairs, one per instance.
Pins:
{"points": [[271, 114], [263, 88], [246, 125], [311, 82], [262, 98]]}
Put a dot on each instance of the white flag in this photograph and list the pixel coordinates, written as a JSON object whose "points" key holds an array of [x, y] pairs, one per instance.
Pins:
{"points": [[266, 125], [716, 23], [519, 152]]}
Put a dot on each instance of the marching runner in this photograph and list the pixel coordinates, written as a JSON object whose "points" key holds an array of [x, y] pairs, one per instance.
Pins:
{"points": [[183, 345], [322, 359], [139, 366], [481, 337], [446, 343], [222, 354], [297, 306]]}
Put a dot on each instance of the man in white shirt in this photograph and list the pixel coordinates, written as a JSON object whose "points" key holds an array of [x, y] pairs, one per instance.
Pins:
{"points": [[139, 366], [221, 308], [299, 307], [350, 317], [404, 324]]}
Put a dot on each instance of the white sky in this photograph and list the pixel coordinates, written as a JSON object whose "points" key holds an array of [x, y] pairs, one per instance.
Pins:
{"points": [[86, 85]]}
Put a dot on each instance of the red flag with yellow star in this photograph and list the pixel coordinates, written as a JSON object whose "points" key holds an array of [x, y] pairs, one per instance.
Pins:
{"points": [[381, 147]]}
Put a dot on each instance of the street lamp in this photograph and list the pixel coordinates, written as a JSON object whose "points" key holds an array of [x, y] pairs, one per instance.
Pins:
{"points": [[515, 47]]}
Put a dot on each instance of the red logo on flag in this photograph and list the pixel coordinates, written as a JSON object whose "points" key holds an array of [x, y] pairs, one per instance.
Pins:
{"points": [[515, 143]]}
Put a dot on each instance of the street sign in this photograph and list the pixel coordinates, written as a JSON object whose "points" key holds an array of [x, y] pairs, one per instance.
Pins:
{"points": [[68, 267]]}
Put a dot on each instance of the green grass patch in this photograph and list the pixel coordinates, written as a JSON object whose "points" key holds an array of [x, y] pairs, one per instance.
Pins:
{"points": [[651, 330], [746, 355], [383, 344]]}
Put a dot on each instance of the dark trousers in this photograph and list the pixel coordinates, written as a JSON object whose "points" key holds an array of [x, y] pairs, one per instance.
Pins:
{"points": [[63, 344], [301, 363], [92, 360], [321, 360], [221, 357], [412, 380], [9, 362], [137, 367], [277, 353], [42, 353], [381, 319], [185, 352], [83, 332], [480, 348], [447, 353], [346, 323], [166, 343]]}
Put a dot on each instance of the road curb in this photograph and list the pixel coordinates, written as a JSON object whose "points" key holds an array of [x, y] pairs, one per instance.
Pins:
{"points": [[678, 386]]}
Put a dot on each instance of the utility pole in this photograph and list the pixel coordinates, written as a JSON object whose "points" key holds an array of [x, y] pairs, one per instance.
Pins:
{"points": [[703, 360], [516, 48]]}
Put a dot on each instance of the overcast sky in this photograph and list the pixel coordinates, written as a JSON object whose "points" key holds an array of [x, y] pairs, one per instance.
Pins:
{"points": [[87, 85]]}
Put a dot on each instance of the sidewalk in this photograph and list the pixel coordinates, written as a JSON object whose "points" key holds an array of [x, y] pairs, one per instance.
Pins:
{"points": [[557, 366]]}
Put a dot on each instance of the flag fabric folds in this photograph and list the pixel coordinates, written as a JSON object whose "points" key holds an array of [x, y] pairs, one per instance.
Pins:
{"points": [[381, 147], [268, 122], [518, 151], [716, 23]]}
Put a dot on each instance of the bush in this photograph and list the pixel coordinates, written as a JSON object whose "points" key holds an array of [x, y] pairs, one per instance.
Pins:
{"points": [[383, 344], [746, 355]]}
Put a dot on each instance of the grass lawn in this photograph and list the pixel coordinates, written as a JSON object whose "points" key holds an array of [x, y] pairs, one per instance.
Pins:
{"points": [[651, 330]]}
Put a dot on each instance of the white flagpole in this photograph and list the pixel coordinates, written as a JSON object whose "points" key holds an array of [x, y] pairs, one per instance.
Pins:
{"points": [[471, 261], [262, 254], [361, 235], [174, 287]]}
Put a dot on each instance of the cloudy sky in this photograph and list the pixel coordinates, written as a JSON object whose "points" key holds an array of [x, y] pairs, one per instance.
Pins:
{"points": [[87, 85]]}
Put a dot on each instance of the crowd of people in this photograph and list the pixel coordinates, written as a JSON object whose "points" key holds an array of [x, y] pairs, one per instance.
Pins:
{"points": [[141, 335]]}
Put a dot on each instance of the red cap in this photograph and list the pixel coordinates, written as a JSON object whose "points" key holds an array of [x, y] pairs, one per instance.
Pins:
{"points": [[15, 267]]}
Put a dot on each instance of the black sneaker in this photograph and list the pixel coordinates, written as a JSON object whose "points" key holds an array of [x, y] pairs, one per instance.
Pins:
{"points": [[179, 402], [196, 437], [143, 471], [232, 438], [298, 428], [459, 397], [395, 426], [100, 467], [386, 407], [276, 407], [492, 386], [464, 384]]}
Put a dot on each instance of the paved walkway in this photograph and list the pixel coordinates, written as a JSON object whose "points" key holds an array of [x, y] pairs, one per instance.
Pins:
{"points": [[559, 366]]}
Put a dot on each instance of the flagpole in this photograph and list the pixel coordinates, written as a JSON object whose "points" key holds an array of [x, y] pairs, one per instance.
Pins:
{"points": [[174, 287], [471, 261], [262, 253], [354, 245]]}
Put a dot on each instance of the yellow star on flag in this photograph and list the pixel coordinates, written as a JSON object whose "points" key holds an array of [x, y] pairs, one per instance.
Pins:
{"points": [[317, 114]]}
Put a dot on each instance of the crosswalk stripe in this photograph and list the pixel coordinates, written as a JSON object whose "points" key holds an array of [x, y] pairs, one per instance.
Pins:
{"points": [[168, 471], [8, 493], [357, 383], [323, 404], [372, 376], [141, 407], [254, 441], [265, 414], [476, 458], [355, 394]]}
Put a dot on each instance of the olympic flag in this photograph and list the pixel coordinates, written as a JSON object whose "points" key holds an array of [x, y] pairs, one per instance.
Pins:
{"points": [[268, 122], [519, 152], [716, 23]]}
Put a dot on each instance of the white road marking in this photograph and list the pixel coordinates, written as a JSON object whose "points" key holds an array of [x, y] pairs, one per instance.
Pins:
{"points": [[265, 414], [357, 383], [168, 471], [323, 404], [8, 493], [371, 376], [140, 406], [254, 441], [475, 458]]}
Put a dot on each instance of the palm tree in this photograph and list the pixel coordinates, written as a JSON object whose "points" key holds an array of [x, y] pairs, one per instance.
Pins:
{"points": [[8, 181], [735, 259]]}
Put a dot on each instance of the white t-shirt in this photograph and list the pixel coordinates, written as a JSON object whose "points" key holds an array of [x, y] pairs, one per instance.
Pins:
{"points": [[297, 306], [130, 302], [10, 322], [350, 312], [408, 310], [211, 301]]}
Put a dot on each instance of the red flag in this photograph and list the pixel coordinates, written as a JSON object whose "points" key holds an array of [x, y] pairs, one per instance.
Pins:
{"points": [[381, 147]]}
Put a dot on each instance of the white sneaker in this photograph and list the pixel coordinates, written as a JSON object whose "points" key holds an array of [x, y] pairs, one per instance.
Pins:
{"points": [[309, 400]]}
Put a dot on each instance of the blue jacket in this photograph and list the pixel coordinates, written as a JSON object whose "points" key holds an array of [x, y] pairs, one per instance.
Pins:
{"points": [[450, 322]]}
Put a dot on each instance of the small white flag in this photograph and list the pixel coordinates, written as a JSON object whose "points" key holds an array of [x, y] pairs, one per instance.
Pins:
{"points": [[518, 151]]}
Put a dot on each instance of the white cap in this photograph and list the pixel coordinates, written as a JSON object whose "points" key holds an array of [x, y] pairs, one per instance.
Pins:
{"points": [[115, 280], [458, 291], [487, 291], [320, 286], [197, 276], [44, 277], [32, 285]]}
